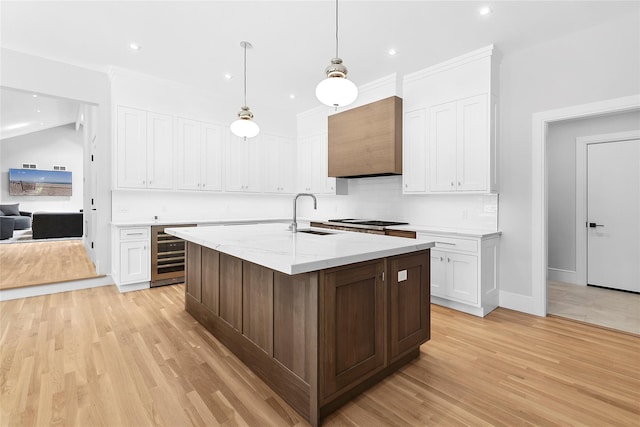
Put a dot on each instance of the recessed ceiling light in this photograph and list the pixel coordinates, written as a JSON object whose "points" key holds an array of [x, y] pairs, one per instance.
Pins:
{"points": [[37, 111], [228, 76], [41, 123], [35, 95], [135, 46], [292, 95], [392, 52], [485, 10]]}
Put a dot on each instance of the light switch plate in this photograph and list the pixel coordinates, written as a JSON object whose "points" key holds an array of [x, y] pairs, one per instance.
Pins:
{"points": [[402, 275]]}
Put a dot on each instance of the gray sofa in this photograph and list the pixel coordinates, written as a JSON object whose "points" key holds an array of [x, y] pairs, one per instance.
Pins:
{"points": [[21, 219]]}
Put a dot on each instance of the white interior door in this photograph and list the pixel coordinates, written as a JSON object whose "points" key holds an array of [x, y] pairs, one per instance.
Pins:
{"points": [[613, 215]]}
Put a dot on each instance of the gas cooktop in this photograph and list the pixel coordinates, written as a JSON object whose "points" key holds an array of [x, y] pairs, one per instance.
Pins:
{"points": [[364, 223]]}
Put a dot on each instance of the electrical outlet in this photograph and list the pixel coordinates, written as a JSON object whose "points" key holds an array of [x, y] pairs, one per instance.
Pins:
{"points": [[402, 275]]}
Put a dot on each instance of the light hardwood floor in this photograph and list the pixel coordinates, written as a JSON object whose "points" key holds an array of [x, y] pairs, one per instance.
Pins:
{"points": [[96, 357], [40, 263], [603, 307]]}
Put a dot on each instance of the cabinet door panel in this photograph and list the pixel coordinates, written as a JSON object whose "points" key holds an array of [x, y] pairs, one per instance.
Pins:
{"points": [[352, 327], [257, 305], [442, 147], [135, 262], [132, 148], [160, 158], [211, 161], [414, 149], [193, 272], [210, 279], [473, 144], [462, 277], [410, 301], [188, 154], [254, 177], [236, 164], [438, 273], [305, 164], [231, 290]]}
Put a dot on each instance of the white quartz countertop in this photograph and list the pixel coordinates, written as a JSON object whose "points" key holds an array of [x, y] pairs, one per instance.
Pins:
{"points": [[275, 247], [454, 232]]}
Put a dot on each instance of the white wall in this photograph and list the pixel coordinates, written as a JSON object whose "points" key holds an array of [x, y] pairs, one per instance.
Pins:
{"points": [[561, 170], [62, 145], [40, 75], [598, 63]]}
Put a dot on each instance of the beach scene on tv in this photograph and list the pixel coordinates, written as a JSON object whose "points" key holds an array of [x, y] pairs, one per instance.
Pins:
{"points": [[36, 182]]}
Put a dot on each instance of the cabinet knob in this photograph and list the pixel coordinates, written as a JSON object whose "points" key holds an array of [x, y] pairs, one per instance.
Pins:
{"points": [[459, 184], [452, 183], [448, 259], [204, 185], [441, 259], [143, 181], [406, 185]]}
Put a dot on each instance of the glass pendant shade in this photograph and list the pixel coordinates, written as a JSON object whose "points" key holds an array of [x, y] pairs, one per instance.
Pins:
{"points": [[245, 128], [336, 91]]}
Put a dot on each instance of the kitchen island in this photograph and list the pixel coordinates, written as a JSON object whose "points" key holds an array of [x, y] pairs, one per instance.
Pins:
{"points": [[318, 315]]}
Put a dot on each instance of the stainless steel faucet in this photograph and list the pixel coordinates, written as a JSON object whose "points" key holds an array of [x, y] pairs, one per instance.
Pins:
{"points": [[294, 225]]}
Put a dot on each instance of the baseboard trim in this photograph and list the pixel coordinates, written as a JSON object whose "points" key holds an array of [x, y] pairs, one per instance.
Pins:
{"points": [[518, 302], [54, 288], [560, 275]]}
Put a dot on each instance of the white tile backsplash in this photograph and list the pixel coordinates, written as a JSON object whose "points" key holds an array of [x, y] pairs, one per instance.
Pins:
{"points": [[368, 198]]}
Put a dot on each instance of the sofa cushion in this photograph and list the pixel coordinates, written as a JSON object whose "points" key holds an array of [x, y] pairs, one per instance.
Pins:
{"points": [[47, 225], [1, 213], [21, 222], [10, 210]]}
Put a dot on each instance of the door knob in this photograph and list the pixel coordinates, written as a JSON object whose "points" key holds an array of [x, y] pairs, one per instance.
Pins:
{"points": [[594, 225]]}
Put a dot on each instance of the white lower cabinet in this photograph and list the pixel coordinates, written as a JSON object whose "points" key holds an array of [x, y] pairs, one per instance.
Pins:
{"points": [[464, 272], [132, 256]]}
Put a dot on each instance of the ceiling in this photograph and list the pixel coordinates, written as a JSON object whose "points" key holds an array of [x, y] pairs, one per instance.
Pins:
{"points": [[198, 42], [22, 112]]}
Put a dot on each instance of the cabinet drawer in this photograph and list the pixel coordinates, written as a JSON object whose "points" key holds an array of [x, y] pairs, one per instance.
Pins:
{"points": [[451, 243], [134, 233]]}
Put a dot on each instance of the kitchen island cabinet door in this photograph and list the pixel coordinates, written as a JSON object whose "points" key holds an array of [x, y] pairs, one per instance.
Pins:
{"points": [[231, 290], [193, 271], [352, 326], [410, 302]]}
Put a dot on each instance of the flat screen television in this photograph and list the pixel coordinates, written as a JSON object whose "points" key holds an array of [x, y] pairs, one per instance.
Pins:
{"points": [[36, 182]]}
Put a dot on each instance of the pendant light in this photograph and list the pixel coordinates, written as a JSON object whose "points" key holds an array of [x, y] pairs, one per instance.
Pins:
{"points": [[244, 126], [336, 91]]}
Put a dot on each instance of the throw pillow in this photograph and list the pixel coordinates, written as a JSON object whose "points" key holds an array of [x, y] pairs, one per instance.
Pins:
{"points": [[11, 210]]}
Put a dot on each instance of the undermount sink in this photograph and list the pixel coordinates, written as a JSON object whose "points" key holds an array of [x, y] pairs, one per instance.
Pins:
{"points": [[319, 233]]}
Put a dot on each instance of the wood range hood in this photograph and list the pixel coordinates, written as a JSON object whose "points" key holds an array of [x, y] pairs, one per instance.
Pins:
{"points": [[367, 141]]}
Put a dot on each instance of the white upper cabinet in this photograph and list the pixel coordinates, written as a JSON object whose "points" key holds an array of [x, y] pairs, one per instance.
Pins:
{"points": [[459, 145], [280, 164], [313, 174], [449, 126], [244, 164], [143, 141], [414, 151], [199, 155]]}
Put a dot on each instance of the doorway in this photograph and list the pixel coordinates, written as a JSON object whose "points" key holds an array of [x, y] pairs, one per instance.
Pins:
{"points": [[605, 175]]}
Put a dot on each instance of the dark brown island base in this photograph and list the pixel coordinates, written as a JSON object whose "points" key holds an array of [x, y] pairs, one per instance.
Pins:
{"points": [[319, 338]]}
